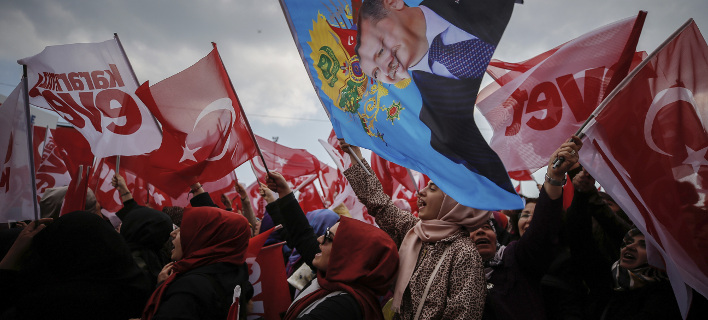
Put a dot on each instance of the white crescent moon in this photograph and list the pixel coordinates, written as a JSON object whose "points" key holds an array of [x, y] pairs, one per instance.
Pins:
{"points": [[662, 99], [216, 105]]}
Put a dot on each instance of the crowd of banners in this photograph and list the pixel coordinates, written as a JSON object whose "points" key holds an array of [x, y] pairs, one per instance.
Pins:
{"points": [[53, 170], [92, 86], [75, 197], [291, 163], [16, 195], [387, 119], [660, 176], [535, 105]]}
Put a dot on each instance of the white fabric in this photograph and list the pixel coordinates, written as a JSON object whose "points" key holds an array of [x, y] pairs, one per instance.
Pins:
{"points": [[94, 70]]}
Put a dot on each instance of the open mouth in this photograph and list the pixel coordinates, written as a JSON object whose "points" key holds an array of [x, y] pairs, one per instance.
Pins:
{"points": [[421, 203], [482, 241]]}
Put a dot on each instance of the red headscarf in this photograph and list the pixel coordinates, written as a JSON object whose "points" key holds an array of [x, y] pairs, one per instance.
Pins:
{"points": [[208, 235], [363, 262]]}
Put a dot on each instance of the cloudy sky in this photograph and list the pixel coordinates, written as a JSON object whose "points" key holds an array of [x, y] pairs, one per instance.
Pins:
{"points": [[163, 37]]}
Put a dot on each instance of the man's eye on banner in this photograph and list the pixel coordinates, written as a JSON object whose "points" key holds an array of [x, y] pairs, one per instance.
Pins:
{"points": [[403, 82]]}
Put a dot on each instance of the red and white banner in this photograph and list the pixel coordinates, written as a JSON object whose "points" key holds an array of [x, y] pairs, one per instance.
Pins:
{"points": [[91, 85], [75, 197], [17, 200], [205, 135], [53, 171], [540, 102], [107, 195], [396, 181], [648, 148], [271, 295]]}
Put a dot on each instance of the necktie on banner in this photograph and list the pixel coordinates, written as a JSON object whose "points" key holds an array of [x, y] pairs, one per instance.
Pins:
{"points": [[17, 200], [205, 133], [659, 174], [464, 59], [92, 86], [535, 105], [426, 125]]}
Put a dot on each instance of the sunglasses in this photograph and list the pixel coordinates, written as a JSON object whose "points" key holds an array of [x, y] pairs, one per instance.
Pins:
{"points": [[328, 236]]}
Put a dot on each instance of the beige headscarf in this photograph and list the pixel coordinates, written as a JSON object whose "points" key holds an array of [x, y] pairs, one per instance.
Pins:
{"points": [[451, 217], [53, 198]]}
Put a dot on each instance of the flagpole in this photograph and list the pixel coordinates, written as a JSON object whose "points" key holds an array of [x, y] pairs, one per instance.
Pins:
{"points": [[305, 183], [30, 147], [321, 195], [243, 112], [580, 133], [410, 174], [135, 77]]}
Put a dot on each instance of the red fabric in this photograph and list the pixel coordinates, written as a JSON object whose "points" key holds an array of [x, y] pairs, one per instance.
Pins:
{"points": [[53, 171], [75, 198], [568, 191], [658, 173], [309, 199], [208, 235], [291, 163], [396, 181], [226, 186], [205, 133], [538, 103], [38, 135], [330, 182], [363, 261], [257, 202], [521, 175], [271, 295], [106, 194], [76, 147]]}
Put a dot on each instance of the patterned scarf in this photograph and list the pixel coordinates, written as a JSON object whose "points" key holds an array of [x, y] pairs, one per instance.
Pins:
{"points": [[636, 278]]}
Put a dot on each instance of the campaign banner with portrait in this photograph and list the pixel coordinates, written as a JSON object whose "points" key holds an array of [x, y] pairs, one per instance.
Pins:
{"points": [[417, 112]]}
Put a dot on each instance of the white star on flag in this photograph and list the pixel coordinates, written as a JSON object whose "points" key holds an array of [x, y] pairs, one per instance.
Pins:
{"points": [[696, 158], [188, 154], [281, 161]]}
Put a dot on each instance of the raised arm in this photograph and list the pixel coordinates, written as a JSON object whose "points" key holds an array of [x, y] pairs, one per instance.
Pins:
{"points": [[534, 249], [287, 211], [395, 221], [247, 208]]}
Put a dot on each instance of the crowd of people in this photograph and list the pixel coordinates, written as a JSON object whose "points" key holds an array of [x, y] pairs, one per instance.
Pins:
{"points": [[448, 262]]}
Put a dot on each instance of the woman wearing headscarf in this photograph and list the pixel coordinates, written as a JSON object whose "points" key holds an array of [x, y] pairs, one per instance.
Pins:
{"points": [[514, 271], [320, 220], [145, 230], [440, 274], [210, 250], [355, 262], [78, 267]]}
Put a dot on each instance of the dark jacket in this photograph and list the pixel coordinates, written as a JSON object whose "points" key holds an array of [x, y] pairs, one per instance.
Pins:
{"points": [[514, 287], [301, 236], [202, 293]]}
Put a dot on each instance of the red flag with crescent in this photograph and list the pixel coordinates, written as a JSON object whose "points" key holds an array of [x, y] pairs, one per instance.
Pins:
{"points": [[205, 132], [649, 149]]}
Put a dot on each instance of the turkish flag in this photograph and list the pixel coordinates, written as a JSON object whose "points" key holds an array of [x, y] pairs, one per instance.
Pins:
{"points": [[225, 186], [309, 199], [648, 148], [53, 171], [330, 181], [535, 105], [291, 163], [205, 133]]}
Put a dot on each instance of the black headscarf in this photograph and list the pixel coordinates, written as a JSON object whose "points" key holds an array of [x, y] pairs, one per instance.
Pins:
{"points": [[145, 231], [80, 268]]}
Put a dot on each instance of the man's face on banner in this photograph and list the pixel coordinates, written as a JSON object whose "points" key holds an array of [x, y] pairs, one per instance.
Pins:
{"points": [[389, 47]]}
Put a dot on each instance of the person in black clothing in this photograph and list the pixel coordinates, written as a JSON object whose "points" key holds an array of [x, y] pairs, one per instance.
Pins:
{"points": [[355, 262], [77, 267], [210, 250]]}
